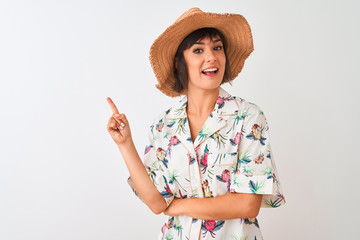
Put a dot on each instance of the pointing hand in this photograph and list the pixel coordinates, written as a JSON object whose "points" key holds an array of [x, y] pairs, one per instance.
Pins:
{"points": [[118, 125]]}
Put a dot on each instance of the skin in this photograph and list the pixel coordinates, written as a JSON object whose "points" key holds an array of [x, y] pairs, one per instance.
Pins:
{"points": [[202, 94], [122, 137]]}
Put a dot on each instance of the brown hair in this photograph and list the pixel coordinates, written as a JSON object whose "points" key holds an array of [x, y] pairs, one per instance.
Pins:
{"points": [[180, 71]]}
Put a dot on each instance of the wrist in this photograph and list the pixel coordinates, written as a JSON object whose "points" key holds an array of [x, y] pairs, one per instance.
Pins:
{"points": [[181, 208], [126, 145]]}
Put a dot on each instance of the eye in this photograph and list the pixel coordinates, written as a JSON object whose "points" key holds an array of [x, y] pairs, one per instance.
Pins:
{"points": [[218, 47], [197, 50]]}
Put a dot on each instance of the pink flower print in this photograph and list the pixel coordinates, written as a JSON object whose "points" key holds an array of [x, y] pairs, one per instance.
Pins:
{"points": [[167, 193], [204, 162], [281, 196], [174, 140], [167, 188], [147, 148], [236, 140], [220, 100], [209, 225], [225, 176], [259, 159], [163, 229], [204, 159]]}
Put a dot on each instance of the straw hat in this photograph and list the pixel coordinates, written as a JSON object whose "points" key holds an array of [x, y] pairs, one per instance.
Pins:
{"points": [[234, 27]]}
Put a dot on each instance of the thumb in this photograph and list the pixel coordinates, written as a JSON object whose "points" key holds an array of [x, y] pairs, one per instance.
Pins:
{"points": [[124, 119]]}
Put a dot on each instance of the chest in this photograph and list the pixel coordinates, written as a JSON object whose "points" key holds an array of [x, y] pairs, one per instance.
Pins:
{"points": [[195, 125]]}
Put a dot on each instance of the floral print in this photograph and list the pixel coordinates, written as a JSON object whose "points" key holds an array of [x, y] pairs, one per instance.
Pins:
{"points": [[231, 153]]}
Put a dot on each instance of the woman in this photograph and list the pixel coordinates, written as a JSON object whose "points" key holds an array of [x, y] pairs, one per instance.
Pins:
{"points": [[209, 165]]}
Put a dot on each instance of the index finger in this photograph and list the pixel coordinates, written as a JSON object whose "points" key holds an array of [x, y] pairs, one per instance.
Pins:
{"points": [[112, 105]]}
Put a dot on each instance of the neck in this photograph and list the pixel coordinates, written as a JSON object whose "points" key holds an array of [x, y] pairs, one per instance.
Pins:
{"points": [[201, 102]]}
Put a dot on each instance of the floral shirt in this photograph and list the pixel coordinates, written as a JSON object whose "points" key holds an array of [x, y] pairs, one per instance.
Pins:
{"points": [[230, 154]]}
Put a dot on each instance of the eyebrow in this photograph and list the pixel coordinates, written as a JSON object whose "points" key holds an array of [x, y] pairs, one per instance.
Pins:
{"points": [[215, 41]]}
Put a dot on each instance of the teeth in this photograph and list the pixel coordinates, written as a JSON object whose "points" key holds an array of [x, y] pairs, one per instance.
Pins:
{"points": [[210, 70]]}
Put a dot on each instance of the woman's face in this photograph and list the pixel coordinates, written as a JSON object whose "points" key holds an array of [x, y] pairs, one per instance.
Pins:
{"points": [[205, 63]]}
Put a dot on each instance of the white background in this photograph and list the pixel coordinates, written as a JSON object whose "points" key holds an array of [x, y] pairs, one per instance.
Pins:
{"points": [[62, 176]]}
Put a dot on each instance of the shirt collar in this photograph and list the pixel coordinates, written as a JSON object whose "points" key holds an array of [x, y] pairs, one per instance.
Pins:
{"points": [[225, 105]]}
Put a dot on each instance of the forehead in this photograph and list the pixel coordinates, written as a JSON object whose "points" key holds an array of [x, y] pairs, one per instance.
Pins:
{"points": [[208, 39]]}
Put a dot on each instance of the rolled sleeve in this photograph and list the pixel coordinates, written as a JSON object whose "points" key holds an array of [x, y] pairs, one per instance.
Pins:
{"points": [[256, 171]]}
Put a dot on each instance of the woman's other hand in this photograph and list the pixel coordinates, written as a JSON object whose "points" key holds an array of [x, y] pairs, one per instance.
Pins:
{"points": [[118, 125]]}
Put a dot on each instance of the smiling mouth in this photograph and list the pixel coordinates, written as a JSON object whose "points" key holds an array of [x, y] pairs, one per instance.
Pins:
{"points": [[210, 72]]}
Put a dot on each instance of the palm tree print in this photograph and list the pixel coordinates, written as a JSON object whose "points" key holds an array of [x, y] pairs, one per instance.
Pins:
{"points": [[173, 178], [220, 156], [181, 167], [168, 237], [219, 138], [256, 187], [238, 117], [244, 158], [267, 171], [204, 132], [167, 193], [234, 237], [180, 122], [247, 170], [273, 204], [178, 228], [210, 173], [152, 175]]}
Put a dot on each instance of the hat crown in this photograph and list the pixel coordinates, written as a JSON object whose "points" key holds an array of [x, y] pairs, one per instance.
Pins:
{"points": [[188, 13]]}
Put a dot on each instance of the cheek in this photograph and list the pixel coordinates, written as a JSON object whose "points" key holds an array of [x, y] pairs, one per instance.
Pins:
{"points": [[222, 58], [193, 68]]}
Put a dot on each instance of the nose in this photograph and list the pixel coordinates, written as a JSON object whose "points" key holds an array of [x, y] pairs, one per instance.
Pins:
{"points": [[210, 56]]}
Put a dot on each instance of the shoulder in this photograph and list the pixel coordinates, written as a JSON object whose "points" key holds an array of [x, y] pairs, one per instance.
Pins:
{"points": [[231, 101], [159, 122], [251, 113], [247, 106]]}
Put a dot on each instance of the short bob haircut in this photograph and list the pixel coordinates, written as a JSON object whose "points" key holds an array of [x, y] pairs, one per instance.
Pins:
{"points": [[180, 71]]}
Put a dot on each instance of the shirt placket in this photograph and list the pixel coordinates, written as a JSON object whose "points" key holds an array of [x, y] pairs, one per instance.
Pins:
{"points": [[197, 192]]}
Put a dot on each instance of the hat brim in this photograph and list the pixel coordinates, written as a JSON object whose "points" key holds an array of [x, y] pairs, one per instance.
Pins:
{"points": [[234, 27]]}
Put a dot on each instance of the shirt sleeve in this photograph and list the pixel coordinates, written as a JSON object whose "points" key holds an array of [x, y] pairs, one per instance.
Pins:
{"points": [[256, 172], [155, 170]]}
